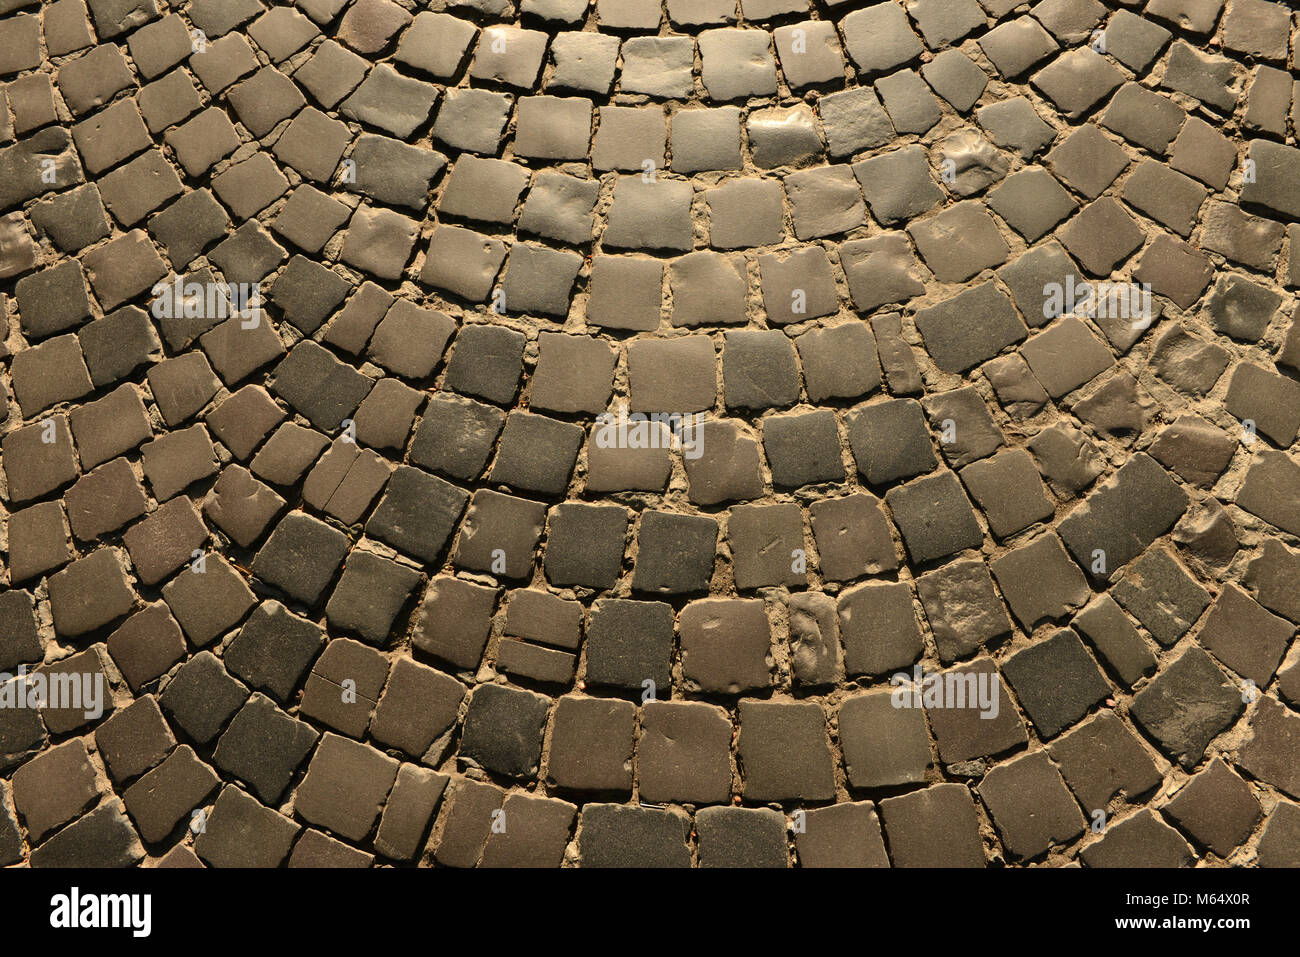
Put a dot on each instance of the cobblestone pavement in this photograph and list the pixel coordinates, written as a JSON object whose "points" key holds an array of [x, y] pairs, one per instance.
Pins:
{"points": [[970, 325]]}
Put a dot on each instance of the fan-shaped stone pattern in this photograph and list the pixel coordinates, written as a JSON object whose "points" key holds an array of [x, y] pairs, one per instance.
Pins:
{"points": [[453, 425]]}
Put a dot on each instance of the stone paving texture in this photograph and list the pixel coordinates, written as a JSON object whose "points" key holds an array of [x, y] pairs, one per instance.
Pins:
{"points": [[987, 313]]}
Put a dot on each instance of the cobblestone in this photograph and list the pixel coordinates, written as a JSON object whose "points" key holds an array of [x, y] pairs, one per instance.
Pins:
{"points": [[870, 265]]}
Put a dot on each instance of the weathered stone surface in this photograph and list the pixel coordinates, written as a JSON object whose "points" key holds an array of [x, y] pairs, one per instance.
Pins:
{"points": [[1186, 705], [724, 367]]}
